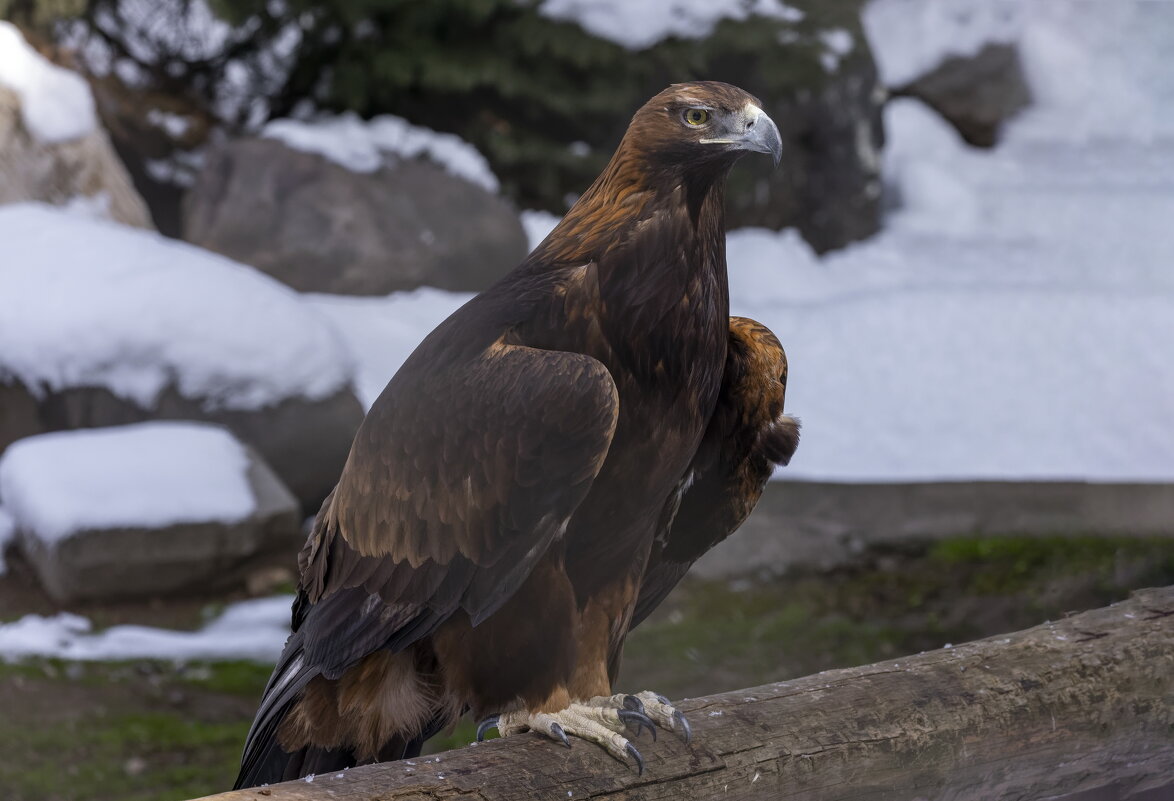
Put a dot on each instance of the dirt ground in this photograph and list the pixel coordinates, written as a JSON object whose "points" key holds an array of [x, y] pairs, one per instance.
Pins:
{"points": [[141, 731]]}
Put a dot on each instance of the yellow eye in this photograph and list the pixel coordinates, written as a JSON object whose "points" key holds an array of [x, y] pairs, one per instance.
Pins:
{"points": [[696, 116]]}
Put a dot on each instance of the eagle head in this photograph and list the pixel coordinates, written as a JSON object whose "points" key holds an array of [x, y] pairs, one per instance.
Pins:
{"points": [[703, 122]]}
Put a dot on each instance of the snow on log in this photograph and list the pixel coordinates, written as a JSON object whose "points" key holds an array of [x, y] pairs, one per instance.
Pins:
{"points": [[1073, 705]]}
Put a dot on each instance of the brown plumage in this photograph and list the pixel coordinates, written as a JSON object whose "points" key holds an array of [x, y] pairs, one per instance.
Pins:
{"points": [[516, 498]]}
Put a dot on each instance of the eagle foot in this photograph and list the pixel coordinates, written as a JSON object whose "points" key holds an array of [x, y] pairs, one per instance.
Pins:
{"points": [[654, 706], [597, 720]]}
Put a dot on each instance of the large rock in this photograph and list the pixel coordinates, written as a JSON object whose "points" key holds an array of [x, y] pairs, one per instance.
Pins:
{"points": [[828, 183], [320, 227], [105, 324], [62, 172], [977, 93], [144, 511], [305, 441]]}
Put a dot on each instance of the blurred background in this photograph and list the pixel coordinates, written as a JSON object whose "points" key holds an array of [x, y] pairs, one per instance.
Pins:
{"points": [[225, 223]]}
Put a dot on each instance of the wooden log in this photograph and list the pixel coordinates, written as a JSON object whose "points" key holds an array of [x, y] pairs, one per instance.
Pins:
{"points": [[1077, 704]]}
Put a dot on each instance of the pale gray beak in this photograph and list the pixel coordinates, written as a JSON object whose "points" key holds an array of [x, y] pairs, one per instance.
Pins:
{"points": [[751, 129], [761, 134]]}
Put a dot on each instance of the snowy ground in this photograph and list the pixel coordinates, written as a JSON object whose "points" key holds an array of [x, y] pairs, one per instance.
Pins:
{"points": [[254, 629]]}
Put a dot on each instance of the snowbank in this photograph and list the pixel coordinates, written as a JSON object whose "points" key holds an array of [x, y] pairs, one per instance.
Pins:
{"points": [[254, 630], [56, 104], [7, 533], [916, 357], [93, 303], [637, 25], [1096, 69], [364, 146], [148, 475], [381, 332]]}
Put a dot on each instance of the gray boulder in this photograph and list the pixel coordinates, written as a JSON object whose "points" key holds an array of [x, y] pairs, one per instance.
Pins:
{"points": [[828, 183], [61, 172], [127, 561], [320, 227], [978, 93], [305, 442]]}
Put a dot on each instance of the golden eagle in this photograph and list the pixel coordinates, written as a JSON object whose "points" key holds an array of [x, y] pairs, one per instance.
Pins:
{"points": [[541, 472]]}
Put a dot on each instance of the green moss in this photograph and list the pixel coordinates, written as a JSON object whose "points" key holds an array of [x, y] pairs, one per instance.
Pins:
{"points": [[132, 757], [234, 678], [715, 635]]}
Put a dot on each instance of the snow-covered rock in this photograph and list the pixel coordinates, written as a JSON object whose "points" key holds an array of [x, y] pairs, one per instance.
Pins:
{"points": [[366, 146], [104, 324], [56, 104], [1095, 70], [382, 222], [978, 94], [255, 630], [142, 509], [51, 146]]}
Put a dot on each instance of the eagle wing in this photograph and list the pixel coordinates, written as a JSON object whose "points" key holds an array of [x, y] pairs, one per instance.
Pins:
{"points": [[461, 476], [747, 436]]}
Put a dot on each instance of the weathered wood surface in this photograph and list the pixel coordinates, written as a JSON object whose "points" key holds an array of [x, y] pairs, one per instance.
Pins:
{"points": [[1080, 703]]}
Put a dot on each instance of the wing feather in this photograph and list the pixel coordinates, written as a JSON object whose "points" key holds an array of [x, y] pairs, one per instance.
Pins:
{"points": [[463, 473], [746, 438]]}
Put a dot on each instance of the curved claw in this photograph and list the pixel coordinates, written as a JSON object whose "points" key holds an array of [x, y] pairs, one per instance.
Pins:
{"points": [[686, 729], [558, 732], [632, 752], [629, 717], [485, 725], [633, 704]]}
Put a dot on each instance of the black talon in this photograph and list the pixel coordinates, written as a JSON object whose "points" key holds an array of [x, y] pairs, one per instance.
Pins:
{"points": [[485, 725], [634, 704], [631, 749], [557, 730], [663, 700], [683, 722], [629, 716]]}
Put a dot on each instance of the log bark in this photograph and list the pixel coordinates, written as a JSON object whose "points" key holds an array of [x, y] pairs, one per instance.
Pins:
{"points": [[1068, 706]]}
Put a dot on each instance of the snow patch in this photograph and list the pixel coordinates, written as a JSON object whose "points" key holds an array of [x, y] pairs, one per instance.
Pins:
{"points": [[538, 225], [381, 332], [365, 146], [921, 171], [149, 475], [837, 44], [1095, 69], [93, 303], [911, 37], [637, 25], [254, 630], [55, 104]]}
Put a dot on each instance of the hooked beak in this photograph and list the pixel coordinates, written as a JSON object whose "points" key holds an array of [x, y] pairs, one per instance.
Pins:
{"points": [[761, 135], [751, 129]]}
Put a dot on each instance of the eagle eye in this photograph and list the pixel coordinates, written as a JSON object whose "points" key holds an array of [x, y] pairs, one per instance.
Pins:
{"points": [[696, 116]]}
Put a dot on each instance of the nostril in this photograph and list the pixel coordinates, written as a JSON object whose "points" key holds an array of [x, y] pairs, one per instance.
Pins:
{"points": [[750, 125]]}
